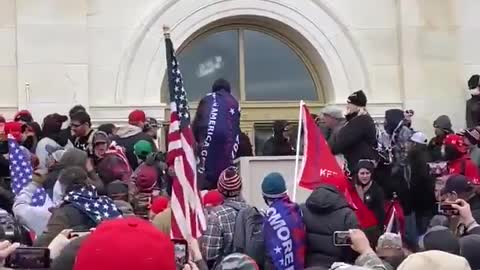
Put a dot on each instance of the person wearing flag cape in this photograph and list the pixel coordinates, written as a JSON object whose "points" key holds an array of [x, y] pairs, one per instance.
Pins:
{"points": [[216, 129], [283, 227]]}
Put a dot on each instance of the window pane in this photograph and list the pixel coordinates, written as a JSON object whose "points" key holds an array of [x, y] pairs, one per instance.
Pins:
{"points": [[264, 132], [207, 59], [273, 71]]}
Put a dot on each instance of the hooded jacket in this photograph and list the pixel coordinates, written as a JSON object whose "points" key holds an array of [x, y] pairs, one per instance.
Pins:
{"points": [[277, 145], [325, 212], [127, 137], [72, 157]]}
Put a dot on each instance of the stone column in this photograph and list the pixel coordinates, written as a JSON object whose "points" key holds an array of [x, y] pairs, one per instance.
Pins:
{"points": [[430, 52], [52, 50], [8, 59]]}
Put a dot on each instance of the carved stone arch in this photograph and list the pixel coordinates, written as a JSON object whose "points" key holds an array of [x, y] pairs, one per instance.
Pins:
{"points": [[311, 23]]}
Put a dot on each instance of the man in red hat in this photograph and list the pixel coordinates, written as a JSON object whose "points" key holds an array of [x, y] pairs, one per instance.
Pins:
{"points": [[130, 134]]}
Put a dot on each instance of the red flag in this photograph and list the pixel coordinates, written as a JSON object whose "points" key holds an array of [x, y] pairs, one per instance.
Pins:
{"points": [[319, 166], [188, 218]]}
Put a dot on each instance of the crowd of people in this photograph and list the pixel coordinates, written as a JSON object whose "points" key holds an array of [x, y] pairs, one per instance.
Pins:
{"points": [[106, 201]]}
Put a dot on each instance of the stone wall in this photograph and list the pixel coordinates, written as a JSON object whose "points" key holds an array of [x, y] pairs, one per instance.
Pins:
{"points": [[109, 54]]}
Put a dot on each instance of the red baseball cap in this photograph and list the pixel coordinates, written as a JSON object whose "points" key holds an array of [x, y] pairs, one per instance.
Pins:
{"points": [[125, 244], [212, 198], [159, 204], [137, 116], [23, 115]]}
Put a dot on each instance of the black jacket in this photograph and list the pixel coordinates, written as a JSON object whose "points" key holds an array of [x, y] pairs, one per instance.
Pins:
{"points": [[278, 147], [374, 199], [473, 112], [325, 212], [356, 140], [127, 137], [422, 183]]}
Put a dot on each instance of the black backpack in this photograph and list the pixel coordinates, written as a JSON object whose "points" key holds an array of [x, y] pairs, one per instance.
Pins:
{"points": [[248, 234]]}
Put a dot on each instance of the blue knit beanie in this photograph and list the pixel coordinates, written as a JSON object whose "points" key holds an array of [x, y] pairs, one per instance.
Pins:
{"points": [[273, 186]]}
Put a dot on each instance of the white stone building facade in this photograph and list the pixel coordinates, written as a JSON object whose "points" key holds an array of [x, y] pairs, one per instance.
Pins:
{"points": [[109, 55]]}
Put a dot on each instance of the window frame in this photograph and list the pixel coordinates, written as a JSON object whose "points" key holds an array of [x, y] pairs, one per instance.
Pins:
{"points": [[240, 28]]}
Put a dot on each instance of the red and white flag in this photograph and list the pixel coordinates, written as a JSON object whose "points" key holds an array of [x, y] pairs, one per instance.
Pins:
{"points": [[188, 219], [319, 166]]}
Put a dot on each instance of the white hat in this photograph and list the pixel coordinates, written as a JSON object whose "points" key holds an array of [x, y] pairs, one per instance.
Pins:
{"points": [[419, 137]]}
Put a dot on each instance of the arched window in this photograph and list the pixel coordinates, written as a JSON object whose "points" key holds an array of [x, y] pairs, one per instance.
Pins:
{"points": [[268, 73], [259, 66]]}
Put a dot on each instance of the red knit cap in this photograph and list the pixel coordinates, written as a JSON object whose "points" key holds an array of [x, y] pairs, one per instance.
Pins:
{"points": [[212, 198], [230, 182], [159, 204], [126, 244]]}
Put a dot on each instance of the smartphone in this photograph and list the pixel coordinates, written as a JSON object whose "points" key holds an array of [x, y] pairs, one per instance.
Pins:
{"points": [[342, 239], [78, 233], [29, 258], [447, 209], [181, 252]]}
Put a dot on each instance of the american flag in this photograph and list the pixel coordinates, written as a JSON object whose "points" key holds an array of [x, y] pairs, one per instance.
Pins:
{"points": [[98, 208], [188, 217], [21, 172]]}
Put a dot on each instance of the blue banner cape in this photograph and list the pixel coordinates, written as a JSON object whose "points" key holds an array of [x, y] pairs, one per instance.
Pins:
{"points": [[220, 138], [284, 233]]}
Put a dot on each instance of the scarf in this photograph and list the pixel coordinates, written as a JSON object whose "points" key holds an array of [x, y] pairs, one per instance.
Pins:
{"points": [[97, 208], [284, 234]]}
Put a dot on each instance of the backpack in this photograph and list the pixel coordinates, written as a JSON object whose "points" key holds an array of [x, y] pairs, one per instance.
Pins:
{"points": [[248, 234]]}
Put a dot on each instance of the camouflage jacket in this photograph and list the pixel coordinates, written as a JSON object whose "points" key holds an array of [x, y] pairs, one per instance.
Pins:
{"points": [[372, 261]]}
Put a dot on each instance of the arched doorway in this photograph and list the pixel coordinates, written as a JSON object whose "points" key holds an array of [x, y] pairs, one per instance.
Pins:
{"points": [[269, 72]]}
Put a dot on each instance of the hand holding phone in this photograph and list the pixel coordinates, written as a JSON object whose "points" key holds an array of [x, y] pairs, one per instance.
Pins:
{"points": [[181, 252], [446, 208], [342, 239], [29, 258], [464, 211]]}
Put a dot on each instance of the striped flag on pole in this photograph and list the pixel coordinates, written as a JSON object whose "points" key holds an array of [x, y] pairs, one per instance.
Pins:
{"points": [[188, 218]]}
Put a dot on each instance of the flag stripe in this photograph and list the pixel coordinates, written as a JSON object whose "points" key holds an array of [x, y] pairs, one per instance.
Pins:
{"points": [[188, 219]]}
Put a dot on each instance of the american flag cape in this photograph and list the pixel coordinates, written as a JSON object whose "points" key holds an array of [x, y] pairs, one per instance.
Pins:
{"points": [[21, 172], [188, 219]]}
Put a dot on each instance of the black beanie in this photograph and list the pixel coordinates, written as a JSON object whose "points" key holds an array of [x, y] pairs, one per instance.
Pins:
{"points": [[366, 164], [474, 82], [358, 98], [221, 84]]}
